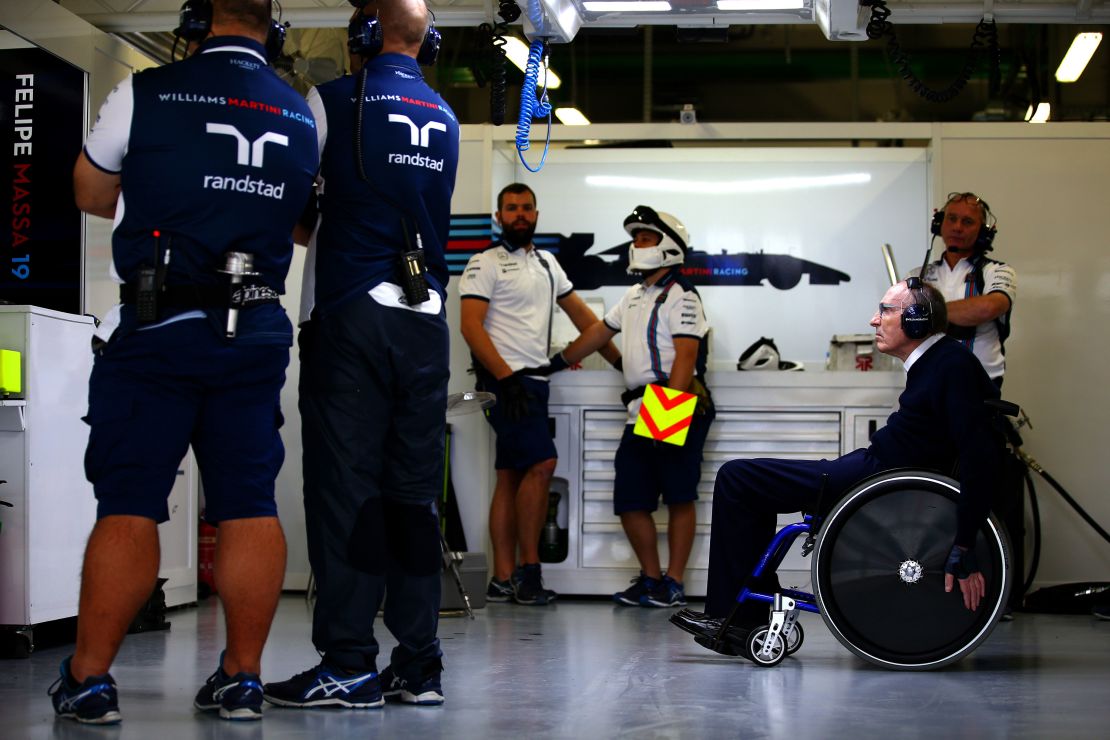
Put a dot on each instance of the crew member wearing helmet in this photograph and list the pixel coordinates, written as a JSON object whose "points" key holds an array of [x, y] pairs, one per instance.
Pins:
{"points": [[663, 341], [979, 292]]}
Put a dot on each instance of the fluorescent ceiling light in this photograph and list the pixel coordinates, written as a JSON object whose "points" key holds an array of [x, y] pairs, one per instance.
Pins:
{"points": [[760, 4], [726, 187], [1040, 115], [627, 6], [571, 117], [517, 52], [1079, 53]]}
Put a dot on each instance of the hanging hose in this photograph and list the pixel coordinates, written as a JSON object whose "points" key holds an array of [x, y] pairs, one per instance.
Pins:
{"points": [[490, 67], [984, 41], [497, 74], [1035, 466], [531, 107]]}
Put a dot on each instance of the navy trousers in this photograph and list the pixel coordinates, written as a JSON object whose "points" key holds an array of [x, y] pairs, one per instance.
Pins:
{"points": [[748, 496], [373, 400]]}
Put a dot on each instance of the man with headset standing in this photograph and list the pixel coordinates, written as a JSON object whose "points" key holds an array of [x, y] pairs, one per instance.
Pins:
{"points": [[942, 418], [184, 360], [980, 291], [509, 293], [374, 366]]}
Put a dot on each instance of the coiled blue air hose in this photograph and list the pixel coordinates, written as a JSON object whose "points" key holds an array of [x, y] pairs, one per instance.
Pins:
{"points": [[531, 107]]}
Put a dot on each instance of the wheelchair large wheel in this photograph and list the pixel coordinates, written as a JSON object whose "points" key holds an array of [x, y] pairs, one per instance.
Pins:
{"points": [[878, 573]]}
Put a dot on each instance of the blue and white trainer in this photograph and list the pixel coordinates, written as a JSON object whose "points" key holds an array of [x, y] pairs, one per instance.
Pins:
{"points": [[664, 593], [323, 686], [93, 701], [237, 697], [631, 596], [424, 689]]}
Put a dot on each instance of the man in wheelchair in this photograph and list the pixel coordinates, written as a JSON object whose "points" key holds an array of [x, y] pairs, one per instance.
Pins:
{"points": [[942, 420]]}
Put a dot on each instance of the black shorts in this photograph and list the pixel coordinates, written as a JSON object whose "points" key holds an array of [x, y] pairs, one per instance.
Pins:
{"points": [[153, 393], [647, 469], [527, 441]]}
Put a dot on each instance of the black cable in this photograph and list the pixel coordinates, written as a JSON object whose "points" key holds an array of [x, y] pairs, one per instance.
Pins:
{"points": [[358, 122], [983, 42], [1035, 513], [490, 43], [1073, 503], [497, 74]]}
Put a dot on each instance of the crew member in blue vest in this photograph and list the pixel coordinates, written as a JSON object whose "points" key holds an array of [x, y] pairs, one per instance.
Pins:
{"points": [[374, 367], [941, 418], [203, 165]]}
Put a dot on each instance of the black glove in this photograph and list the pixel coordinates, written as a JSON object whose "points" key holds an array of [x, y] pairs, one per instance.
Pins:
{"points": [[554, 365], [961, 563], [513, 397], [618, 364]]}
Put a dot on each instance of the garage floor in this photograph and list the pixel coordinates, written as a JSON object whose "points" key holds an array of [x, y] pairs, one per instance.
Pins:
{"points": [[589, 669]]}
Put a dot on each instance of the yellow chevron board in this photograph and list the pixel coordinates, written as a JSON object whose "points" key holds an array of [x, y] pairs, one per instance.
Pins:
{"points": [[665, 414]]}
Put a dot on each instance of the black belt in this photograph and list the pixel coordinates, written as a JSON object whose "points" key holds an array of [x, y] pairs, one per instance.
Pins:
{"points": [[206, 296]]}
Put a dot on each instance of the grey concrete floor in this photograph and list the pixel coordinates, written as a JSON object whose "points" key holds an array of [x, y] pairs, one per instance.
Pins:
{"points": [[589, 669]]}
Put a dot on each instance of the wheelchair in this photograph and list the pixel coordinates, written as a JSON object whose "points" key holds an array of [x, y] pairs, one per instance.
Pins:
{"points": [[878, 579]]}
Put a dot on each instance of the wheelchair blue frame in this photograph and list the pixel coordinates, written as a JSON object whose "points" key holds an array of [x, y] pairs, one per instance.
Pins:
{"points": [[773, 557]]}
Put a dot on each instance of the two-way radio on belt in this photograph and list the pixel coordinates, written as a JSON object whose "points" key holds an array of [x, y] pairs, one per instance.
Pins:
{"points": [[413, 267]]}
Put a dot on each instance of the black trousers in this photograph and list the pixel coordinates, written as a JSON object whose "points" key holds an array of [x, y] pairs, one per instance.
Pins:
{"points": [[748, 496], [373, 399]]}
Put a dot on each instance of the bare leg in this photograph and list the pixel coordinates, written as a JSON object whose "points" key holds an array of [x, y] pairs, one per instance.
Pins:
{"points": [[502, 522], [120, 570], [531, 509], [681, 522], [639, 527], [250, 566]]}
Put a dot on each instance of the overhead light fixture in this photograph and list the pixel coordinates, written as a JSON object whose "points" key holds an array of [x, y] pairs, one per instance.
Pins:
{"points": [[727, 187], [760, 4], [1079, 53], [517, 52], [627, 6], [1038, 114], [571, 117]]}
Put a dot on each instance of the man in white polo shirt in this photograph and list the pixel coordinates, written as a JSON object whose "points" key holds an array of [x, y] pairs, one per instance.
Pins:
{"points": [[979, 292], [508, 298]]}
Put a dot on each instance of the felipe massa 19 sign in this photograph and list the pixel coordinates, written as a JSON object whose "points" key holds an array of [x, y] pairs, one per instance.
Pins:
{"points": [[42, 117]]}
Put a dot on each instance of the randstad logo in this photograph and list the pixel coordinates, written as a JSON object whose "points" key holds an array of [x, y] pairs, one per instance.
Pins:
{"points": [[417, 160], [251, 154], [247, 184]]}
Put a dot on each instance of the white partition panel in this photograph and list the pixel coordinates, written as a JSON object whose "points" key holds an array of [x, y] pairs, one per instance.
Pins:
{"points": [[830, 206]]}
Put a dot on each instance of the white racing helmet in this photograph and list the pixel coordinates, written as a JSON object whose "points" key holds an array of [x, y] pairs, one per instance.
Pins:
{"points": [[671, 249], [764, 355]]}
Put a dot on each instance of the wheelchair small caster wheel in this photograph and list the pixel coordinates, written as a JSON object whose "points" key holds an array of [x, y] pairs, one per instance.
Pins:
{"points": [[794, 641], [774, 654]]}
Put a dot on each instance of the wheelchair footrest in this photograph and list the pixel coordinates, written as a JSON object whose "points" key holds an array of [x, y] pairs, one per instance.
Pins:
{"points": [[733, 644]]}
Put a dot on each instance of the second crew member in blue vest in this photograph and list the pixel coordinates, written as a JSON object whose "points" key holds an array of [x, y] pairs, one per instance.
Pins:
{"points": [[374, 367]]}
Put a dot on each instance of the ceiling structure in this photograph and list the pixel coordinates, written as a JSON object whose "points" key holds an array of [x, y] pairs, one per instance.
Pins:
{"points": [[809, 64]]}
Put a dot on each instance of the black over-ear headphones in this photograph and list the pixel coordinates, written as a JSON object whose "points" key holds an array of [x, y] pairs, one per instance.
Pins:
{"points": [[194, 23], [984, 241], [917, 318], [365, 38]]}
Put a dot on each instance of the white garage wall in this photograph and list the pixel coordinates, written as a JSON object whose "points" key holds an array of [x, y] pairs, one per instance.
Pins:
{"points": [[1048, 187]]}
